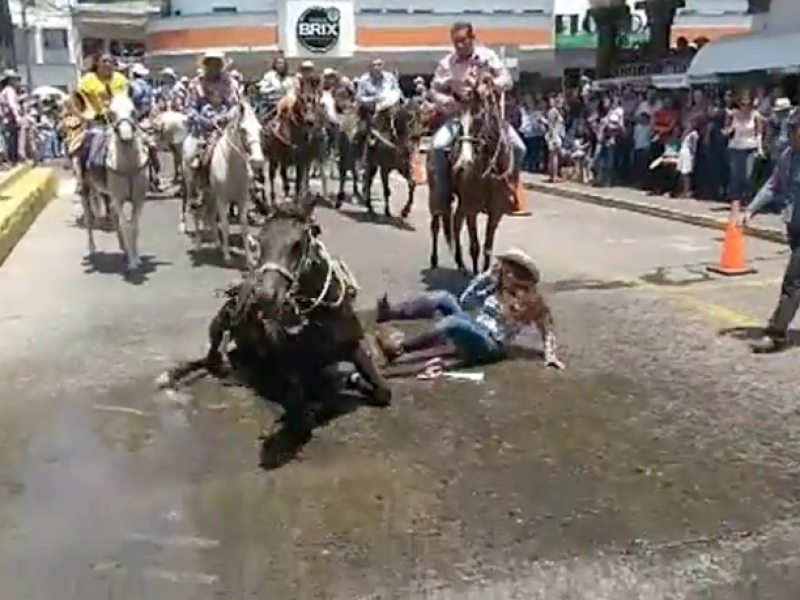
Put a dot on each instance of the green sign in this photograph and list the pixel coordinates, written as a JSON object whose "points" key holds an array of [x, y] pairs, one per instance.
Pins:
{"points": [[579, 31]]}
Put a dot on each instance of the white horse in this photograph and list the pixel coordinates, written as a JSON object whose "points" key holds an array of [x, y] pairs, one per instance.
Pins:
{"points": [[171, 129], [123, 178], [236, 154]]}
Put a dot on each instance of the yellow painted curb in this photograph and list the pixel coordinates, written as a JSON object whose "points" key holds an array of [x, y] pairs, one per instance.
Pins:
{"points": [[21, 201], [13, 174]]}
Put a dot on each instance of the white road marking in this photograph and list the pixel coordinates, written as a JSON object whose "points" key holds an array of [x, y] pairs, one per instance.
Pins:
{"points": [[125, 410], [176, 541], [180, 577]]}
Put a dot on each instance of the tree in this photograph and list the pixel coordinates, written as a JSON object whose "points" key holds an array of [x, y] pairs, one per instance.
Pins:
{"points": [[607, 15], [660, 18]]}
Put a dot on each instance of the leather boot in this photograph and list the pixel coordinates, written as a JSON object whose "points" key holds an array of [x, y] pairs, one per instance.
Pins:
{"points": [[417, 308], [424, 340]]}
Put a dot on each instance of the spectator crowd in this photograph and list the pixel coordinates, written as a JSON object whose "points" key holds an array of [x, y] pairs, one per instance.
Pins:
{"points": [[657, 140]]}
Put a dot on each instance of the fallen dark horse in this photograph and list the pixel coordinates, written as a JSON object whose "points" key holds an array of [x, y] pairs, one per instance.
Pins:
{"points": [[293, 318]]}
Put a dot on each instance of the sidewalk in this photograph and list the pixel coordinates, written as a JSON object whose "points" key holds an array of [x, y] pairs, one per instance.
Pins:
{"points": [[713, 215]]}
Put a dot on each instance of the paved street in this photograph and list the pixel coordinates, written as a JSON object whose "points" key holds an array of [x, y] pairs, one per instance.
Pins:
{"points": [[660, 464]]}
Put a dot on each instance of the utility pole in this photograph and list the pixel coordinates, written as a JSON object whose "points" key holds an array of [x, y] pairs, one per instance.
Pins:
{"points": [[26, 37]]}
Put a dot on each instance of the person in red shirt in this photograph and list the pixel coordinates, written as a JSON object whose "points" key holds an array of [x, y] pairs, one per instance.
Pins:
{"points": [[665, 122]]}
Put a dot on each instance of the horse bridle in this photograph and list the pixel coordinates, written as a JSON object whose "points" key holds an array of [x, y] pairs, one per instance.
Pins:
{"points": [[314, 250]]}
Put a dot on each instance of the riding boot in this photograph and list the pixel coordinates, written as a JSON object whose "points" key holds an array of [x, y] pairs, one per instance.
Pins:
{"points": [[416, 308], [395, 348]]}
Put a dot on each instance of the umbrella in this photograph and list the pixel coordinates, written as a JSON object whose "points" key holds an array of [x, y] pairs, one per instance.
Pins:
{"points": [[48, 91]]}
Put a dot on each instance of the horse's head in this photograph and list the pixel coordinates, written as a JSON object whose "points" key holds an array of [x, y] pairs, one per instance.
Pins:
{"points": [[477, 103], [308, 109], [246, 128], [281, 250], [122, 118]]}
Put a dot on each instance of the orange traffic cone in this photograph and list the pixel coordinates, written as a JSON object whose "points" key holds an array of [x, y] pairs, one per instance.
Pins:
{"points": [[731, 261], [520, 202], [418, 170]]}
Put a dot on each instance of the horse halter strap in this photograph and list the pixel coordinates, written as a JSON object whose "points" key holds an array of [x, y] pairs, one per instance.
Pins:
{"points": [[293, 296]]}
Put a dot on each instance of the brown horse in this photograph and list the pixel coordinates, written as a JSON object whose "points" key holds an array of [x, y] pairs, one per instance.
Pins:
{"points": [[296, 137], [482, 167], [390, 146]]}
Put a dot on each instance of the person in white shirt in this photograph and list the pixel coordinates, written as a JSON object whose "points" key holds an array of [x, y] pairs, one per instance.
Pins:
{"points": [[12, 114], [745, 129], [650, 105]]}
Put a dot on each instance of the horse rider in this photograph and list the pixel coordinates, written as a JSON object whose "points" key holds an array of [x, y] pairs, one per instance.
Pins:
{"points": [[300, 84], [275, 84], [376, 92], [455, 74], [212, 97], [171, 92], [141, 91], [98, 86]]}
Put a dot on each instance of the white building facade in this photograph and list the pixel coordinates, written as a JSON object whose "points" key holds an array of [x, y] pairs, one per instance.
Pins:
{"points": [[46, 43]]}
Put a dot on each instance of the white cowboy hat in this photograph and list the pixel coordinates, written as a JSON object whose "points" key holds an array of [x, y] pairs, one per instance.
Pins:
{"points": [[328, 71], [9, 74], [140, 70], [782, 104], [307, 64], [214, 55], [169, 71], [521, 258]]}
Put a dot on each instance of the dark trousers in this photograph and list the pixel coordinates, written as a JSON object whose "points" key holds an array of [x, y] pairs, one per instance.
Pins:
{"points": [[789, 301], [641, 167], [534, 154]]}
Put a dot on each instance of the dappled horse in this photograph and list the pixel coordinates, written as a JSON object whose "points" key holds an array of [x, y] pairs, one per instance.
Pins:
{"points": [[293, 315], [389, 147], [115, 166], [170, 129], [480, 174], [220, 173]]}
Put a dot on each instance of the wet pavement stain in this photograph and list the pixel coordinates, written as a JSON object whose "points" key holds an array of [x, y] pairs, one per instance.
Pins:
{"points": [[456, 480]]}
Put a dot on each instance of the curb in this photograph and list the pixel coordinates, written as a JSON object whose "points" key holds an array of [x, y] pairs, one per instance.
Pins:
{"points": [[21, 201], [12, 175], [699, 220]]}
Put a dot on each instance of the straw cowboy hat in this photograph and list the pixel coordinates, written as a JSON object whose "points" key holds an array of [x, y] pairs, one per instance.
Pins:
{"points": [[140, 70], [168, 72], [782, 104], [9, 74], [328, 72], [307, 64], [521, 259], [213, 55]]}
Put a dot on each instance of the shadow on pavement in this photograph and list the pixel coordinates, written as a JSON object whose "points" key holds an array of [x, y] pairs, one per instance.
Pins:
{"points": [[378, 218], [211, 256], [113, 263], [444, 278], [751, 334]]}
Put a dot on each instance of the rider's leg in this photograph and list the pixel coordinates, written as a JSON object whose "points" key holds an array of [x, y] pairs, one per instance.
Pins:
{"points": [[473, 342], [519, 150], [423, 306], [440, 144]]}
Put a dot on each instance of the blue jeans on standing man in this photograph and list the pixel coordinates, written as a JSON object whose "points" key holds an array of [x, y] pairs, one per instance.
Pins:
{"points": [[740, 173]]}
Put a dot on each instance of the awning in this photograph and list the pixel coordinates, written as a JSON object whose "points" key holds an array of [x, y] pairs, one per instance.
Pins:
{"points": [[733, 55]]}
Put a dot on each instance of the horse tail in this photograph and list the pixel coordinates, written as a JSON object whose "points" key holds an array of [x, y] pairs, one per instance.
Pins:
{"points": [[449, 226]]}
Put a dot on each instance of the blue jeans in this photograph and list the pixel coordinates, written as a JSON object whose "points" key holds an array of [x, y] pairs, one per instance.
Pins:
{"points": [[604, 161], [11, 134], [534, 154], [472, 341], [741, 164]]}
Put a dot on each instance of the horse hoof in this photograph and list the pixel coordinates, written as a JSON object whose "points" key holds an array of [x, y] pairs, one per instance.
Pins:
{"points": [[434, 262], [164, 381]]}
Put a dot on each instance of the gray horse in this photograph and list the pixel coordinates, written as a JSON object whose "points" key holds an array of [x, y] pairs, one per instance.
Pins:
{"points": [[116, 168], [222, 175]]}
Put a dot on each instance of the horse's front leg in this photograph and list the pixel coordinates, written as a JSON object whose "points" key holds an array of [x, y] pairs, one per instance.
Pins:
{"points": [[177, 165], [89, 218], [458, 223], [138, 191], [387, 191], [366, 189], [412, 187], [474, 241], [492, 223], [222, 225], [380, 389], [436, 224]]}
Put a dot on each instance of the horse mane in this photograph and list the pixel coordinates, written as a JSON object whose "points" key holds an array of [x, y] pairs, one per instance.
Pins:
{"points": [[289, 211]]}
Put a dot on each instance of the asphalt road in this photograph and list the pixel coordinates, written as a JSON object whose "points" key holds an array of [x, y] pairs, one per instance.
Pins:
{"points": [[661, 464]]}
